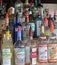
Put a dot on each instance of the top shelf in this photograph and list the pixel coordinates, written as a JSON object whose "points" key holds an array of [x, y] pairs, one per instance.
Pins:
{"points": [[43, 1]]}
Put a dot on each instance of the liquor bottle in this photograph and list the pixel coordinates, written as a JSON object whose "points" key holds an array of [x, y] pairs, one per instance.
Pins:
{"points": [[7, 49], [40, 8], [19, 6], [28, 47], [19, 49], [26, 26], [38, 22], [16, 24], [33, 53]]}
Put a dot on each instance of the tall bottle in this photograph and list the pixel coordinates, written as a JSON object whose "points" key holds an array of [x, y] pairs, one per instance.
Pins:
{"points": [[38, 22], [16, 24], [7, 49], [19, 49], [26, 26], [33, 53]]}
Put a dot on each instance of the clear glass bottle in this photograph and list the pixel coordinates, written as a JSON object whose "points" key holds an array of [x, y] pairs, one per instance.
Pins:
{"points": [[42, 49], [19, 49], [33, 49], [7, 49]]}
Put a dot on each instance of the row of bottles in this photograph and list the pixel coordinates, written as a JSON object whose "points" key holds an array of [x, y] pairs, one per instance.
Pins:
{"points": [[27, 51]]}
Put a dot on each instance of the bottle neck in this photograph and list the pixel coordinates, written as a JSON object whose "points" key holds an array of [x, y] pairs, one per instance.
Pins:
{"points": [[27, 1]]}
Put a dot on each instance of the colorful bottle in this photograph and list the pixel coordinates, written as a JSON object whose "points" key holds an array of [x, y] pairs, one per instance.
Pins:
{"points": [[16, 24], [19, 49]]}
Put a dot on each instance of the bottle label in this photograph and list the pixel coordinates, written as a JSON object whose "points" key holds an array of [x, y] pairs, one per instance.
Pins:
{"points": [[38, 24], [27, 54], [52, 52], [19, 56], [42, 50], [34, 55], [6, 56]]}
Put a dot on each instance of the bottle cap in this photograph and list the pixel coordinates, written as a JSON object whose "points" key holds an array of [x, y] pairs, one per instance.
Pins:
{"points": [[45, 20], [7, 15], [19, 28]]}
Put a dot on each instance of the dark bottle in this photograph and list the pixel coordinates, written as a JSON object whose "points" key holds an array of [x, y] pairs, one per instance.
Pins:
{"points": [[39, 6], [38, 22]]}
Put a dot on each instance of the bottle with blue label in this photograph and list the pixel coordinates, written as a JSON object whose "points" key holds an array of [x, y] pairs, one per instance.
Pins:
{"points": [[19, 49], [16, 24]]}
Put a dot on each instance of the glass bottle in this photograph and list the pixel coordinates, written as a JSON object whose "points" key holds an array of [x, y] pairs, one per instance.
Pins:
{"points": [[7, 49], [26, 26], [15, 26], [19, 49], [38, 21], [19, 6], [42, 50]]}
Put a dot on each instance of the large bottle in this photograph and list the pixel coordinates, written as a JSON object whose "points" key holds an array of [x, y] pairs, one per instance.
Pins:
{"points": [[19, 49], [7, 49]]}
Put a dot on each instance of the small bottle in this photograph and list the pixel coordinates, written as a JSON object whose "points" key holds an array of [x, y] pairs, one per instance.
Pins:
{"points": [[19, 49]]}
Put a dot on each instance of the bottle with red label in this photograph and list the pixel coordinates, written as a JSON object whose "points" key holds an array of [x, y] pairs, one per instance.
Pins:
{"points": [[33, 50], [42, 49]]}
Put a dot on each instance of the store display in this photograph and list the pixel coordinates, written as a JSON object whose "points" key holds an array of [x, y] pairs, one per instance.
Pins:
{"points": [[28, 37]]}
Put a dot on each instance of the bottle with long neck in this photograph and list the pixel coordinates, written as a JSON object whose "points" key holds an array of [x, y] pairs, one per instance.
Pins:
{"points": [[7, 49], [26, 26], [33, 50], [16, 24], [19, 49], [38, 6], [38, 21]]}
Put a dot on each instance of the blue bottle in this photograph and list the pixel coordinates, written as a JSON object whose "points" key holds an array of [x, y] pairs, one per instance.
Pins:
{"points": [[16, 24]]}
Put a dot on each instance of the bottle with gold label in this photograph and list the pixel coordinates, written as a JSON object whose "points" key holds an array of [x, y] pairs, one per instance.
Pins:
{"points": [[7, 48]]}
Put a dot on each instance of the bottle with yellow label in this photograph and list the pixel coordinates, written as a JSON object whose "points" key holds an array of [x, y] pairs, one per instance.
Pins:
{"points": [[7, 47]]}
